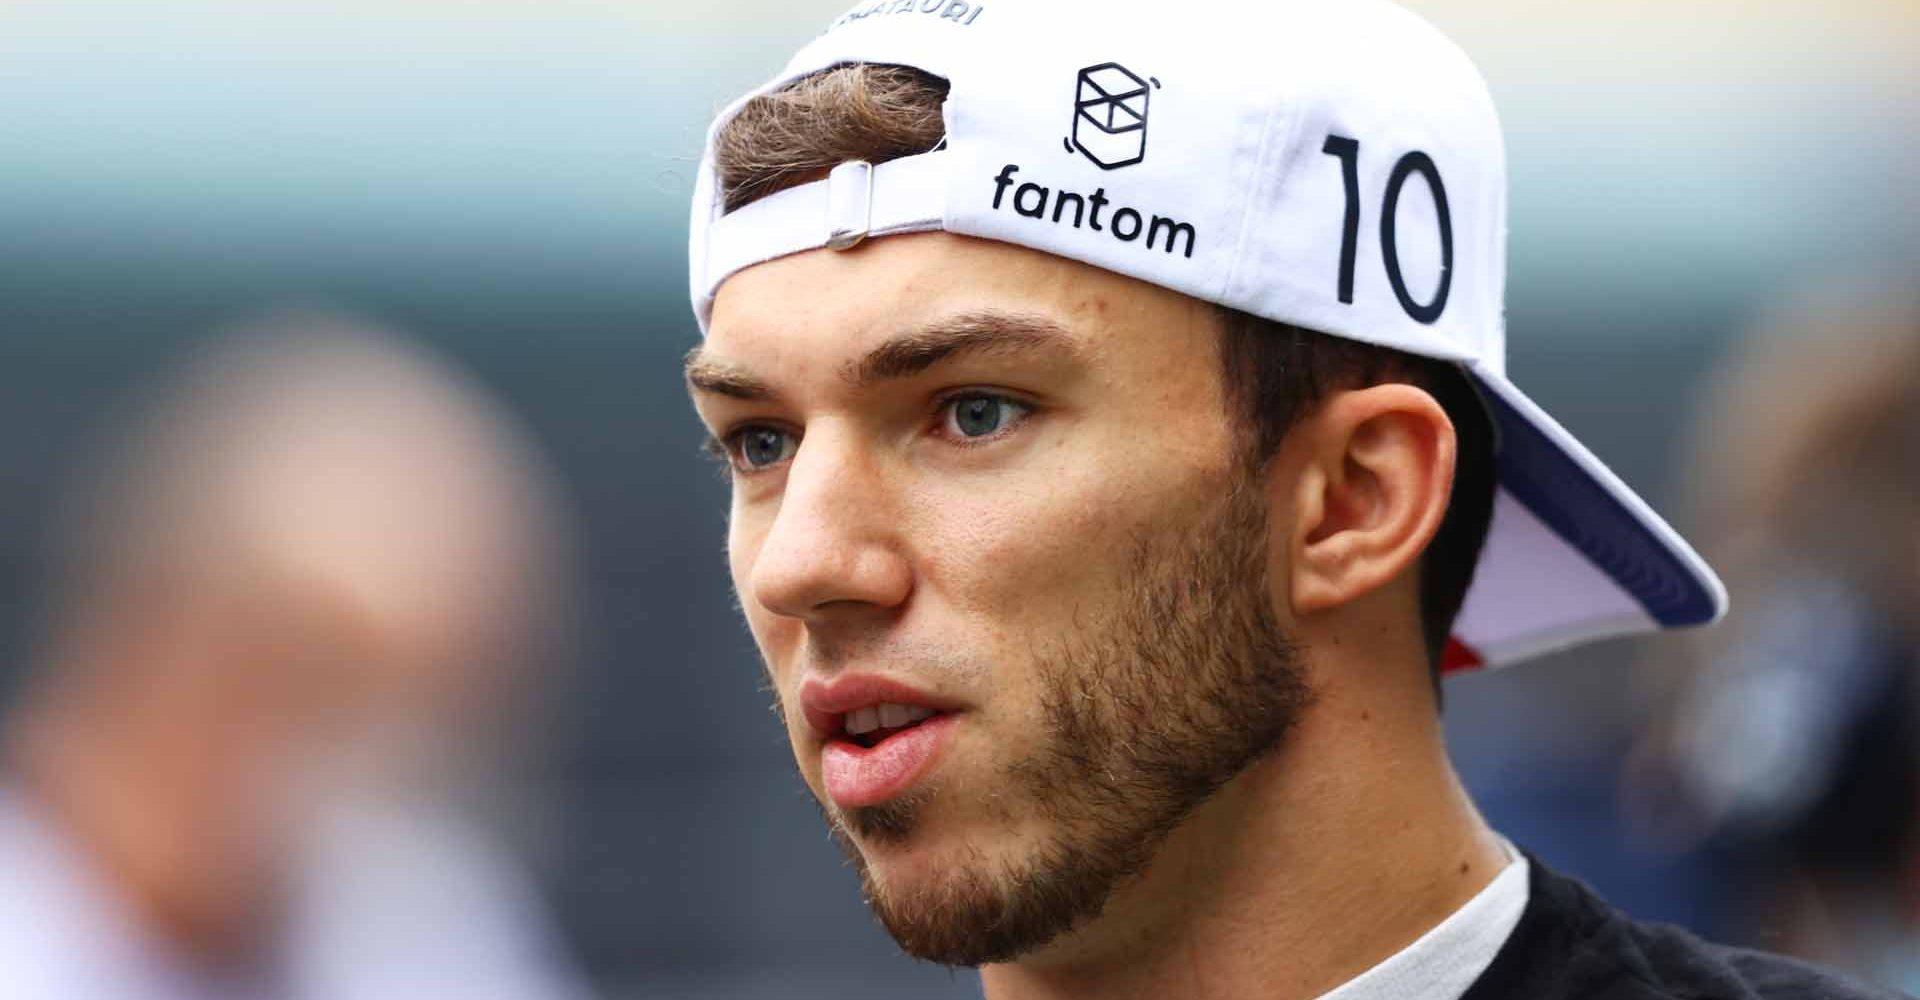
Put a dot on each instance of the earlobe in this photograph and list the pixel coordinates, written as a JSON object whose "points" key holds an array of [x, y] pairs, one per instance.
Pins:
{"points": [[1376, 473]]}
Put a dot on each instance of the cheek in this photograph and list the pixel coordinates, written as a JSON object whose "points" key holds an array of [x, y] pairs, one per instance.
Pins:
{"points": [[1019, 554], [776, 637], [745, 536], [743, 547]]}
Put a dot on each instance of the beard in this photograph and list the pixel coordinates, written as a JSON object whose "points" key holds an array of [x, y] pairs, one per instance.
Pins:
{"points": [[1148, 708]]}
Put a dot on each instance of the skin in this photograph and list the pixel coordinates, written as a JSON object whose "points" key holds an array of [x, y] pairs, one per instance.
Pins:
{"points": [[881, 539]]}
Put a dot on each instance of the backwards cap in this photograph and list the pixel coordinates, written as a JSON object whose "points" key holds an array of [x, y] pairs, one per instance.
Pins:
{"points": [[1332, 164]]}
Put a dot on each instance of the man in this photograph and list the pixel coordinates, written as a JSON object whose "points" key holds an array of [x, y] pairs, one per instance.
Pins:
{"points": [[1115, 404], [289, 641]]}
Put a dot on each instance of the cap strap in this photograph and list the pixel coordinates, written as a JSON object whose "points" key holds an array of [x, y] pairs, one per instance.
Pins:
{"points": [[856, 200]]}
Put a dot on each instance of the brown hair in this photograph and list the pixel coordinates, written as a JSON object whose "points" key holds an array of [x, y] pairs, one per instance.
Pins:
{"points": [[1274, 373]]}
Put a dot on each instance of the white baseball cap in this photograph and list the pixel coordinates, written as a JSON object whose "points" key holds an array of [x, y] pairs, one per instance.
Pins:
{"points": [[1332, 164]]}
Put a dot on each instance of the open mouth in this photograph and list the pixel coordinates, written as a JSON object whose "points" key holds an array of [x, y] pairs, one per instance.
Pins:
{"points": [[880, 735], [870, 726]]}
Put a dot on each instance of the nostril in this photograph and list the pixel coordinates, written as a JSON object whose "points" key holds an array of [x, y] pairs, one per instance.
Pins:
{"points": [[830, 549]]}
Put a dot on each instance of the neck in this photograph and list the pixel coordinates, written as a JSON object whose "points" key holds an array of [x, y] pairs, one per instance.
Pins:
{"points": [[1323, 859]]}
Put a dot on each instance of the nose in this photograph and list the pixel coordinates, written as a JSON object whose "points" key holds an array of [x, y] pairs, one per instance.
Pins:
{"points": [[834, 547]]}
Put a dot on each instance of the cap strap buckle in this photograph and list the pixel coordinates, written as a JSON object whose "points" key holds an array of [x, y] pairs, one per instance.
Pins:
{"points": [[849, 204]]}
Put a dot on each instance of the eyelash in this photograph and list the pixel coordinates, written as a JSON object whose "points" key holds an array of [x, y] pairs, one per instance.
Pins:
{"points": [[716, 449], [726, 448], [947, 401]]}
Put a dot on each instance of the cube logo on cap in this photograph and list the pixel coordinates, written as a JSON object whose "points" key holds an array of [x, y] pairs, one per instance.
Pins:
{"points": [[1110, 116], [1336, 165]]}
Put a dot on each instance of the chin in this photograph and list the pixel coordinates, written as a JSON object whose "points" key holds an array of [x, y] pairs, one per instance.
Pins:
{"points": [[909, 829], [921, 838], [957, 904], [904, 870]]}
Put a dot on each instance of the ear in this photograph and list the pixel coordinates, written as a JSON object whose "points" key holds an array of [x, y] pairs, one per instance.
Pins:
{"points": [[1375, 472]]}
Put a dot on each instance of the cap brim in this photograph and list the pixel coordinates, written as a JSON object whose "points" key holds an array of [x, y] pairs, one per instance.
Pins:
{"points": [[1572, 554]]}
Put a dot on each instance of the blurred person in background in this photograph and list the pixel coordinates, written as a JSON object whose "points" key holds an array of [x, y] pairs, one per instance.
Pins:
{"points": [[1790, 738], [303, 610]]}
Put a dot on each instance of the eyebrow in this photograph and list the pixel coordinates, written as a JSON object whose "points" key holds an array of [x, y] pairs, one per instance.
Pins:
{"points": [[985, 332], [720, 377], [990, 332]]}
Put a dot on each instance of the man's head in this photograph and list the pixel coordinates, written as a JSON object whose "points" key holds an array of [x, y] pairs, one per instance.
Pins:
{"points": [[1272, 372], [313, 565], [1067, 510], [1062, 536]]}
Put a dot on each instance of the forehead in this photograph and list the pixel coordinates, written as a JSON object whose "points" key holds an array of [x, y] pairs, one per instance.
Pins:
{"points": [[823, 306]]}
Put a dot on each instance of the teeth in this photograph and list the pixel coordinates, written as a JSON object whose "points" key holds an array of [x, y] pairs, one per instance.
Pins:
{"points": [[886, 716]]}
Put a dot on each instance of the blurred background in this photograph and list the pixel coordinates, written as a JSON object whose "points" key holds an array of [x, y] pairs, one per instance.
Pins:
{"points": [[1712, 202]]}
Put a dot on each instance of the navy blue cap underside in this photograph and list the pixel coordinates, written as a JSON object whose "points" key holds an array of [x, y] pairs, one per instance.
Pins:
{"points": [[1571, 503]]}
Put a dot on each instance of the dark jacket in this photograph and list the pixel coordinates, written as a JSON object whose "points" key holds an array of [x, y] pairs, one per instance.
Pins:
{"points": [[1570, 945]]}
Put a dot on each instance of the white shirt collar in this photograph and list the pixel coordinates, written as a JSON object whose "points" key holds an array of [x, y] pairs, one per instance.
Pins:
{"points": [[1446, 960]]}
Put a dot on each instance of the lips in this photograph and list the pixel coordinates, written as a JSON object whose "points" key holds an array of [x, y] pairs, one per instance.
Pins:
{"points": [[879, 736]]}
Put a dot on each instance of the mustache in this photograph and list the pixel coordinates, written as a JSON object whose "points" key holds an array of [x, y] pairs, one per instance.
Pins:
{"points": [[828, 652]]}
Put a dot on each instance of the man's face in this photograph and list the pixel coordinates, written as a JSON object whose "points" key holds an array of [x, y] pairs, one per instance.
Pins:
{"points": [[1007, 564]]}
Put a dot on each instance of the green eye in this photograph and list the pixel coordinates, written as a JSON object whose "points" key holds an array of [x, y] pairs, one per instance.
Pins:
{"points": [[979, 415], [759, 448]]}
